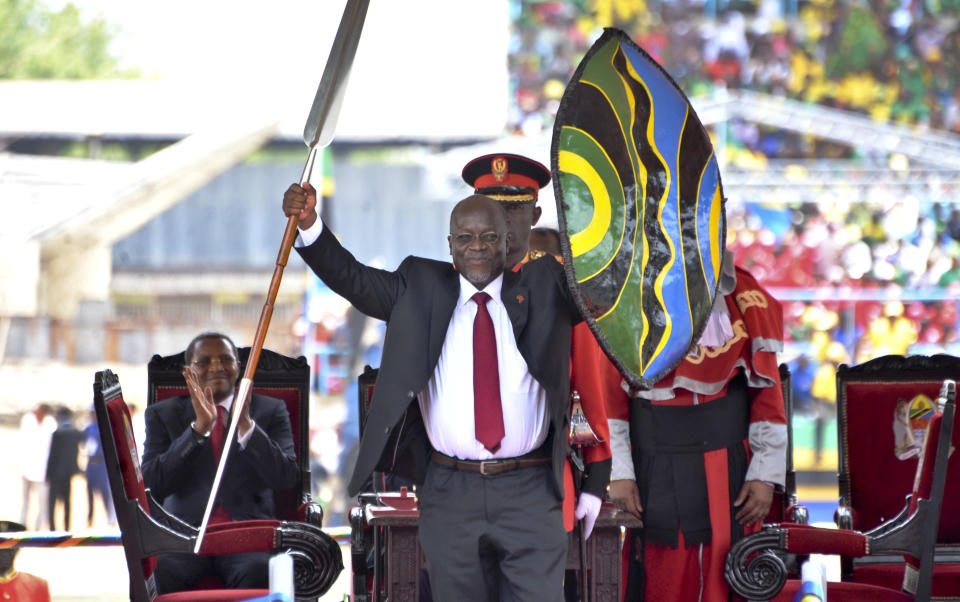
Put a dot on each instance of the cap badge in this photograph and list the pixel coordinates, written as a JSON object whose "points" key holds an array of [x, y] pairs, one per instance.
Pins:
{"points": [[499, 167]]}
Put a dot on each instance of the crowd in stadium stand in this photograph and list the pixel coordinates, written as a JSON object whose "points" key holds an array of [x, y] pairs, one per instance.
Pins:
{"points": [[888, 59], [865, 269]]}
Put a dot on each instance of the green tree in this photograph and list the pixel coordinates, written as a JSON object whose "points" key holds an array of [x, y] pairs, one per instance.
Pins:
{"points": [[39, 43]]}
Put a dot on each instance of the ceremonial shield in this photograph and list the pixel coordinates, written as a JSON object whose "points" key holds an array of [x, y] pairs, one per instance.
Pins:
{"points": [[640, 207]]}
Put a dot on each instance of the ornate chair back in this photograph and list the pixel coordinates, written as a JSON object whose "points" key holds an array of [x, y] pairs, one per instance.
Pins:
{"points": [[882, 406], [126, 480], [147, 529]]}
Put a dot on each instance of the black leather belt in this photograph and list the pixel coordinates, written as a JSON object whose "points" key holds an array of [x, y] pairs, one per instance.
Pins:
{"points": [[491, 467]]}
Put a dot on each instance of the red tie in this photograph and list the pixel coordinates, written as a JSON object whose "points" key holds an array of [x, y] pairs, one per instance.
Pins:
{"points": [[217, 435], [487, 409]]}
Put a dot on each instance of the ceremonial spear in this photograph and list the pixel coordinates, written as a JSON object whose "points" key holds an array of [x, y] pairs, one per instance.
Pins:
{"points": [[317, 133]]}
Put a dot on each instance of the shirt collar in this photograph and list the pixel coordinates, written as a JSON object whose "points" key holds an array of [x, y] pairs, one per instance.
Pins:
{"points": [[227, 403], [467, 290]]}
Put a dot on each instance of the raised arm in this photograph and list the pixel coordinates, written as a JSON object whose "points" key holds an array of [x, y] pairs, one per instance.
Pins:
{"points": [[372, 291]]}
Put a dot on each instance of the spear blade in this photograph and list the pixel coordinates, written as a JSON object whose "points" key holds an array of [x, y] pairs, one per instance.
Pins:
{"points": [[321, 122]]}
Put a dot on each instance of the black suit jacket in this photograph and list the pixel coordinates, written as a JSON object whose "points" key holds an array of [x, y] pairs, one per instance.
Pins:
{"points": [[179, 471], [64, 446], [417, 301]]}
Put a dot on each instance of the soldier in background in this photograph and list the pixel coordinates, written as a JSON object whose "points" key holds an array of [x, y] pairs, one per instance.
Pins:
{"points": [[13, 584], [699, 454]]}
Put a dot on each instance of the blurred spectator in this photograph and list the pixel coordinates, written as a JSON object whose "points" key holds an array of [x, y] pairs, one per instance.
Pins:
{"points": [[802, 373], [36, 429], [888, 61], [62, 464], [96, 473], [13, 584], [824, 392]]}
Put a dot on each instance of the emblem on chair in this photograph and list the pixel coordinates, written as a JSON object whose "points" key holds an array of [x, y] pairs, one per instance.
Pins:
{"points": [[910, 422], [131, 446]]}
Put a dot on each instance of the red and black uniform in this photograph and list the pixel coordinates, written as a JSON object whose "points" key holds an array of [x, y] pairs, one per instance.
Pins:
{"points": [[25, 587], [714, 422], [595, 379]]}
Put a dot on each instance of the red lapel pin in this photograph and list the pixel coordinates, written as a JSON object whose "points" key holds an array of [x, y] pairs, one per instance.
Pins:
{"points": [[519, 298]]}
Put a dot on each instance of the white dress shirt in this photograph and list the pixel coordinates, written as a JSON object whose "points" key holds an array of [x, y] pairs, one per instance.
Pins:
{"points": [[447, 401], [307, 237], [242, 438]]}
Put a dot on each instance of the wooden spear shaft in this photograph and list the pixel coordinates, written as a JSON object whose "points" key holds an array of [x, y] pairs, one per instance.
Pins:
{"points": [[317, 133]]}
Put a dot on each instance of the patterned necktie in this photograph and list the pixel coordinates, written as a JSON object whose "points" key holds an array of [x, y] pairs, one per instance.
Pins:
{"points": [[487, 407]]}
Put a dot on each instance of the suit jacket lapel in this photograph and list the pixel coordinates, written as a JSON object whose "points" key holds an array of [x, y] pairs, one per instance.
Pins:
{"points": [[444, 301], [515, 298]]}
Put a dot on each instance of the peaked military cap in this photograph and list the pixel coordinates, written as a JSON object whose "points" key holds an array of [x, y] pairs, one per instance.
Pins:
{"points": [[506, 177]]}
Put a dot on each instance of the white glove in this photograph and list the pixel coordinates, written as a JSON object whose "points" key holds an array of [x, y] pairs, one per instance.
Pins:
{"points": [[588, 508]]}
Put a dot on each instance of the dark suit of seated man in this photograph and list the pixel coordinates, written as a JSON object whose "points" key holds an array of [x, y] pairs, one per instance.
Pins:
{"points": [[471, 401], [180, 461]]}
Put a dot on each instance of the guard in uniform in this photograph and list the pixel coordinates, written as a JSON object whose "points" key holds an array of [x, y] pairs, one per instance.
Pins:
{"points": [[702, 451], [514, 181], [15, 585]]}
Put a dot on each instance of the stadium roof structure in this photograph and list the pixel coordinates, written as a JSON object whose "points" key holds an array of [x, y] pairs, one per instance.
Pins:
{"points": [[934, 155], [933, 148]]}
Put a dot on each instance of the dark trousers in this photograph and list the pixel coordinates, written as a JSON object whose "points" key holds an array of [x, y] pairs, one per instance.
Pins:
{"points": [[495, 537], [179, 572], [97, 482], [59, 490]]}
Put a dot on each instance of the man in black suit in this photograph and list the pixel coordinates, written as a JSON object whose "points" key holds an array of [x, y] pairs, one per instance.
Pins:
{"points": [[184, 437], [489, 473], [62, 464]]}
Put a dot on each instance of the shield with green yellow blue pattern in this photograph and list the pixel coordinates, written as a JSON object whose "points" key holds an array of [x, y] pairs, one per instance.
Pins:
{"points": [[640, 207]]}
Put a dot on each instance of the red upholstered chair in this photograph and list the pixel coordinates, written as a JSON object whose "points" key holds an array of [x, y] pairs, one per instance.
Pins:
{"points": [[279, 376], [147, 529], [754, 566], [872, 480]]}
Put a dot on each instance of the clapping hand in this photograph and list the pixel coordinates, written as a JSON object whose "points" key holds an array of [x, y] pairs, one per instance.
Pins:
{"points": [[202, 399]]}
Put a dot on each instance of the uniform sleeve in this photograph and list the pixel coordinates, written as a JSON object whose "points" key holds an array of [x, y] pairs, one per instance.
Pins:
{"points": [[767, 436], [767, 433], [617, 406], [587, 378]]}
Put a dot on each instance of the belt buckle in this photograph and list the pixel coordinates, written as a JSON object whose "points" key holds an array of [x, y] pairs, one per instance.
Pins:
{"points": [[484, 464]]}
